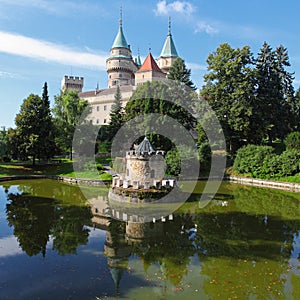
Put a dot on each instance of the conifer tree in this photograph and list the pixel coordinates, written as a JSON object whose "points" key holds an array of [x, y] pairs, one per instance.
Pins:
{"points": [[116, 114], [179, 72]]}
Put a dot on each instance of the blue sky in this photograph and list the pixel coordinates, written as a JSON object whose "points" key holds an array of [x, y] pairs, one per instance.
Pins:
{"points": [[43, 40]]}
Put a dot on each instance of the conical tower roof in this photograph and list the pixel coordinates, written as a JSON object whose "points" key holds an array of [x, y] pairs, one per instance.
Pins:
{"points": [[169, 49], [120, 41], [145, 147]]}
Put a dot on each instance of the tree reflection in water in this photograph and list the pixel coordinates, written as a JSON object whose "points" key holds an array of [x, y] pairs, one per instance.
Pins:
{"points": [[242, 241]]}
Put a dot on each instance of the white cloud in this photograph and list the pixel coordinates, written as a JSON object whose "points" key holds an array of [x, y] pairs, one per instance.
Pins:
{"points": [[196, 67], [57, 7], [181, 7], [205, 27], [9, 246], [38, 49], [4, 74]]}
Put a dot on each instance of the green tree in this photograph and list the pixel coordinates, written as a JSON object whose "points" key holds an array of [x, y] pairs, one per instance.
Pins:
{"points": [[276, 105], [4, 145], [47, 130], [68, 110], [229, 91], [179, 72], [116, 115], [34, 135], [166, 98]]}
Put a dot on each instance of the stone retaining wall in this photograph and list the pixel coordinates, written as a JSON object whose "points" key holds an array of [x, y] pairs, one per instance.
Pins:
{"points": [[288, 186]]}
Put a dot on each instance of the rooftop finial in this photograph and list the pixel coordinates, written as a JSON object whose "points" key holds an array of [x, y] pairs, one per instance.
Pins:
{"points": [[169, 26], [121, 15]]}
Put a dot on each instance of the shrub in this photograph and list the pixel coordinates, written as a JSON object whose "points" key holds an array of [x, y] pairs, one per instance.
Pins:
{"points": [[249, 159], [173, 162], [292, 141], [204, 152]]}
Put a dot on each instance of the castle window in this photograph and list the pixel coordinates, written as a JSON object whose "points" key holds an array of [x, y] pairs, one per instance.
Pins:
{"points": [[97, 121], [105, 107], [104, 121], [98, 108], [120, 75]]}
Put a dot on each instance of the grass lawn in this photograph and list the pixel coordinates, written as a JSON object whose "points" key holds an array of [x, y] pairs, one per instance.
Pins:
{"points": [[65, 168]]}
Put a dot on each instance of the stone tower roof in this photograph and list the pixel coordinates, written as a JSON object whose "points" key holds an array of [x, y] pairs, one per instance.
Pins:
{"points": [[169, 49], [145, 147], [149, 64]]}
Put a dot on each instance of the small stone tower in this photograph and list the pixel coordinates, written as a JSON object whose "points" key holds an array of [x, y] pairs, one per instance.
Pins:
{"points": [[72, 83], [168, 54], [120, 65]]}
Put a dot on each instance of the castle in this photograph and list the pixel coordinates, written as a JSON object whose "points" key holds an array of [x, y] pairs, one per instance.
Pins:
{"points": [[123, 71]]}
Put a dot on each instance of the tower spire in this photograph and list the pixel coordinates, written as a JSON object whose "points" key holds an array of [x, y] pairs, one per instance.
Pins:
{"points": [[121, 16]]}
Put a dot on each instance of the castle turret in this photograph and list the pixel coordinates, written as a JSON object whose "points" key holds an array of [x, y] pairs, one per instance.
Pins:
{"points": [[149, 71], [72, 83], [168, 54], [120, 65]]}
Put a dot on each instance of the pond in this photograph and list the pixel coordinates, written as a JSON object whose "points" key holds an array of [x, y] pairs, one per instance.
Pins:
{"points": [[244, 244]]}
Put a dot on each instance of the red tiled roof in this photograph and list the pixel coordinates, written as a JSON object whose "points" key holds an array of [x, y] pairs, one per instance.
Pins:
{"points": [[149, 64]]}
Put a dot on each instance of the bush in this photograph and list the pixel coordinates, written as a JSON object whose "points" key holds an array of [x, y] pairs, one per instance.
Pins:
{"points": [[262, 162], [249, 159], [204, 152], [173, 162], [292, 141], [90, 166]]}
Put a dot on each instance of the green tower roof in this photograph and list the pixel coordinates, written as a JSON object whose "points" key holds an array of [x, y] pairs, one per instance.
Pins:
{"points": [[169, 46], [120, 41]]}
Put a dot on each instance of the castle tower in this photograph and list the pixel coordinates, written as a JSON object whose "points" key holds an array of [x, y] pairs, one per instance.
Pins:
{"points": [[168, 54], [120, 65], [72, 83], [148, 71]]}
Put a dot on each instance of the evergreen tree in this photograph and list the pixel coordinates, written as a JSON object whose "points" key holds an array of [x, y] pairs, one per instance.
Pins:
{"points": [[48, 128], [116, 115], [274, 92], [179, 72]]}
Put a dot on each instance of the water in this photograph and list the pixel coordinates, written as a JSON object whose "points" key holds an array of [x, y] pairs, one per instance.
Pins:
{"points": [[244, 244]]}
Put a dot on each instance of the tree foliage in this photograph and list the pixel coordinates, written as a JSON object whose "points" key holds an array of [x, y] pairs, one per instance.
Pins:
{"points": [[253, 98], [179, 72], [116, 115], [68, 110], [167, 99], [292, 141], [229, 90], [34, 134], [274, 93]]}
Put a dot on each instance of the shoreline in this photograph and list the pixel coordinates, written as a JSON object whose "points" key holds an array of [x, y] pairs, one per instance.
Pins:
{"points": [[280, 185]]}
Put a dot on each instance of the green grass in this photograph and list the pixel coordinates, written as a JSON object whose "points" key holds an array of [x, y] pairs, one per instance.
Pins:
{"points": [[65, 168]]}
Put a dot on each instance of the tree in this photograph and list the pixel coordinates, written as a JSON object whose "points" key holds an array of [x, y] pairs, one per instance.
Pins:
{"points": [[275, 106], [180, 73], [165, 98], [68, 110], [47, 130], [34, 135], [229, 92], [116, 115], [4, 145]]}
